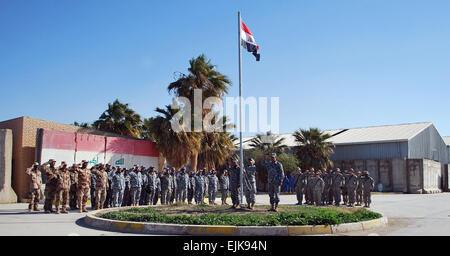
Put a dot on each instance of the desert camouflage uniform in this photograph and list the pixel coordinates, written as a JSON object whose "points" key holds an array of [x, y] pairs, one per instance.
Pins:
{"points": [[62, 189], [50, 186], [351, 185], [318, 187], [73, 189], [83, 189], [35, 188], [359, 191], [299, 186], [101, 186], [367, 186], [337, 184]]}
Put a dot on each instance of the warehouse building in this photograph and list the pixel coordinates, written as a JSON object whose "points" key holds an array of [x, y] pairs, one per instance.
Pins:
{"points": [[409, 158]]}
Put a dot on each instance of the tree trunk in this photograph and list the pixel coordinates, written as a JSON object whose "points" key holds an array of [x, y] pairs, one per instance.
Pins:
{"points": [[194, 158]]}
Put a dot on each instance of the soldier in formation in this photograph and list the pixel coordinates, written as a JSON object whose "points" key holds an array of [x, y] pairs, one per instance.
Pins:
{"points": [[118, 187], [62, 188], [101, 185], [183, 185], [35, 186], [191, 187], [213, 186], [275, 174], [250, 183], [299, 185], [367, 186], [224, 186], [235, 176]]}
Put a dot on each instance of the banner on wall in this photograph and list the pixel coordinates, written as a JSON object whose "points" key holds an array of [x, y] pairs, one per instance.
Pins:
{"points": [[126, 152], [57, 145], [90, 148]]}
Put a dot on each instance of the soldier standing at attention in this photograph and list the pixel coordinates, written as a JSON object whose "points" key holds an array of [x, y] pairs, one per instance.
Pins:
{"points": [[158, 189], [351, 185], [331, 190], [151, 185], [63, 187], [101, 186], [84, 183], [199, 187], [309, 186], [367, 187], [299, 185], [118, 187], [191, 187], [224, 186], [135, 185], [35, 186], [92, 191], [110, 172], [318, 187], [359, 190], [344, 187], [250, 183], [338, 183], [144, 192], [326, 190], [126, 193], [235, 176], [205, 184], [275, 176], [173, 193], [165, 186], [183, 185], [50, 184], [213, 181], [73, 187]]}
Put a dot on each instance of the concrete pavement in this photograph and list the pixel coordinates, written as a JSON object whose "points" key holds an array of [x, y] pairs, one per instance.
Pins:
{"points": [[408, 214]]}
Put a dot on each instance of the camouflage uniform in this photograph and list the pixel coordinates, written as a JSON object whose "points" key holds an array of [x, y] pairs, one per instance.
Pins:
{"points": [[173, 184], [318, 187], [35, 188], [83, 189], [199, 188], [135, 186], [250, 184], [183, 185], [50, 186], [62, 189], [126, 193], [109, 201], [101, 186], [344, 188], [367, 186], [152, 187], [359, 191], [205, 186], [144, 189], [118, 188], [351, 185], [326, 190], [309, 188], [165, 187], [235, 176], [212, 187], [275, 175], [73, 189], [224, 186], [337, 184], [92, 191], [191, 188], [331, 192], [299, 186], [158, 190]]}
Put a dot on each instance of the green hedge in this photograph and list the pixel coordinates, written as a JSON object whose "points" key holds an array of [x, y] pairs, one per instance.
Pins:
{"points": [[317, 216]]}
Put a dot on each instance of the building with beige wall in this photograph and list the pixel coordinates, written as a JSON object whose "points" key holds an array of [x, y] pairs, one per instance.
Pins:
{"points": [[25, 135]]}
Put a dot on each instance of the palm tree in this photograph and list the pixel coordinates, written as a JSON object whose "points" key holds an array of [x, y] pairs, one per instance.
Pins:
{"points": [[146, 133], [216, 147], [204, 76], [313, 150], [268, 143], [176, 147], [121, 119]]}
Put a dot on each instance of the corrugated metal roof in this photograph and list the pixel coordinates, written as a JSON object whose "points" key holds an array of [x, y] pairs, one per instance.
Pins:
{"points": [[363, 135], [380, 134], [446, 140]]}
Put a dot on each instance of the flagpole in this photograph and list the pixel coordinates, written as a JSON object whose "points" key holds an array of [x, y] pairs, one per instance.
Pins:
{"points": [[241, 153]]}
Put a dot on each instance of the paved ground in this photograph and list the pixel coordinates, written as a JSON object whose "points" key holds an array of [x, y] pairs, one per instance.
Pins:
{"points": [[407, 214]]}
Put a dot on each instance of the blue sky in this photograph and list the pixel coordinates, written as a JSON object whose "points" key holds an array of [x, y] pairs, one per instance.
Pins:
{"points": [[333, 64]]}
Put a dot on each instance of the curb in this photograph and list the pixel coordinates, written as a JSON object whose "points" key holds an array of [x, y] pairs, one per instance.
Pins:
{"points": [[209, 230]]}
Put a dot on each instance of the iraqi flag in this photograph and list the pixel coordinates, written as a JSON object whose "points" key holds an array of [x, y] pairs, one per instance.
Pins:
{"points": [[248, 41]]}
